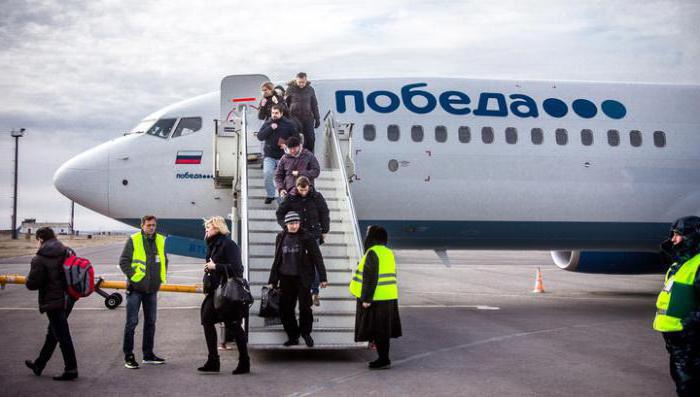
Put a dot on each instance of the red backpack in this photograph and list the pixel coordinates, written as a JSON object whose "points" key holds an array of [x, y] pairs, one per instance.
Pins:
{"points": [[80, 276]]}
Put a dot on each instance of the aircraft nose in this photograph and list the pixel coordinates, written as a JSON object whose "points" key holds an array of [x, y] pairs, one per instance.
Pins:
{"points": [[85, 179]]}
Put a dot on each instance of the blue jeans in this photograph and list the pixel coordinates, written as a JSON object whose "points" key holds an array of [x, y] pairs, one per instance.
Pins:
{"points": [[150, 305], [269, 167]]}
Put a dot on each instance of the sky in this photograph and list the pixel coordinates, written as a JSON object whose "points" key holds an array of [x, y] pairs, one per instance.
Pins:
{"points": [[78, 73]]}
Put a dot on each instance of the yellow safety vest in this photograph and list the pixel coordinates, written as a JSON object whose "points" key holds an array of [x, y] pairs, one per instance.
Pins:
{"points": [[677, 299], [139, 259], [386, 284]]}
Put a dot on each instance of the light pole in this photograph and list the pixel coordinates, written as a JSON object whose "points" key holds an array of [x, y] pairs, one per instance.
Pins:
{"points": [[15, 134]]}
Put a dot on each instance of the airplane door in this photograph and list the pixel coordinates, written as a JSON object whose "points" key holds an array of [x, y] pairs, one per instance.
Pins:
{"points": [[239, 93]]}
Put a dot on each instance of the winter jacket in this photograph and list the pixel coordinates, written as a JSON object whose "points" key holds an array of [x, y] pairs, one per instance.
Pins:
{"points": [[305, 163], [312, 209], [311, 260], [47, 276], [285, 130], [227, 256], [265, 106], [151, 281], [302, 102]]}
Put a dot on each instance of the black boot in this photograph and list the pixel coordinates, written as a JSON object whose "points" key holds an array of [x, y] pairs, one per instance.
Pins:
{"points": [[380, 363], [212, 365], [67, 375], [243, 366], [34, 367]]}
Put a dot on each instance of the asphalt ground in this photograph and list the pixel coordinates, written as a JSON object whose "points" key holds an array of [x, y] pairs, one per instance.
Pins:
{"points": [[472, 329]]}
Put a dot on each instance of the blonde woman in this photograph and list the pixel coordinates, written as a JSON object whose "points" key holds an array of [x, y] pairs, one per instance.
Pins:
{"points": [[223, 257]]}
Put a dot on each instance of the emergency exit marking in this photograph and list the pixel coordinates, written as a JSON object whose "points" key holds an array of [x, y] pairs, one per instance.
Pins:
{"points": [[243, 100]]}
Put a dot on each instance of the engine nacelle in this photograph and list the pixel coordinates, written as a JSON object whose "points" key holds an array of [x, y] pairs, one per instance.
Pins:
{"points": [[609, 262]]}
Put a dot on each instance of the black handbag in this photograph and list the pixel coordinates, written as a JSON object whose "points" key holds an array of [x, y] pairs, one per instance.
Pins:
{"points": [[269, 302], [232, 291]]}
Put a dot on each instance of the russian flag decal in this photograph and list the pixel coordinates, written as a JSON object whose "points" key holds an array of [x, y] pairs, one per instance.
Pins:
{"points": [[189, 157]]}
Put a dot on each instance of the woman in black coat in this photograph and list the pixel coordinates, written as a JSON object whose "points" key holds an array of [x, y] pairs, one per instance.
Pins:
{"points": [[376, 321], [223, 260]]}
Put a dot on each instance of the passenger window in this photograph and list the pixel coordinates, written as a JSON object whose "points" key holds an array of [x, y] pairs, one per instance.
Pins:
{"points": [[586, 137], [613, 137], [635, 138], [511, 135], [161, 128], [659, 138], [561, 136], [441, 133], [465, 134], [487, 135], [187, 125], [369, 132], [392, 132], [417, 133], [537, 136]]}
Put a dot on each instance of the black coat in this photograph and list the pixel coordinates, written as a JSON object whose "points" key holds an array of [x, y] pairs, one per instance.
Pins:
{"points": [[265, 109], [312, 209], [310, 263], [285, 130], [381, 320], [227, 257], [302, 102], [47, 276]]}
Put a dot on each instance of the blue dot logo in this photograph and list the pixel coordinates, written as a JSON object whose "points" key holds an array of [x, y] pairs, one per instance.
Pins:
{"points": [[613, 109], [584, 108], [555, 107]]}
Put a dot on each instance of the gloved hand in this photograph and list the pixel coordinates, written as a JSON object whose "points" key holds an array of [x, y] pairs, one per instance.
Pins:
{"points": [[317, 123]]}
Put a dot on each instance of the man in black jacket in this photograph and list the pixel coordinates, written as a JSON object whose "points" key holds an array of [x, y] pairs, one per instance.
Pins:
{"points": [[303, 105], [297, 259], [47, 276], [313, 210], [144, 263], [275, 132]]}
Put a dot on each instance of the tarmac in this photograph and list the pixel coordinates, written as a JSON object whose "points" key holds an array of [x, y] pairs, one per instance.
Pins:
{"points": [[471, 329]]}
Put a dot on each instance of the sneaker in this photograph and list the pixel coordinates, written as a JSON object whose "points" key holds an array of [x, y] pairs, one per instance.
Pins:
{"points": [[308, 340], [130, 362], [317, 300], [268, 200], [291, 342], [154, 360]]}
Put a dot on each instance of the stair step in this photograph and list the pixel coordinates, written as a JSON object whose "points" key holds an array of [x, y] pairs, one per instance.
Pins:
{"points": [[330, 262], [342, 321], [269, 237], [261, 338], [336, 277], [259, 193], [333, 291], [269, 249]]}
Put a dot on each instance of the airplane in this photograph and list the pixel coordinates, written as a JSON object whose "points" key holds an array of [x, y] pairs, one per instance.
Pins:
{"points": [[594, 172]]}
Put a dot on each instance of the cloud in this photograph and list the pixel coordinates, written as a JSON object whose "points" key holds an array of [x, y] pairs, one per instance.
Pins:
{"points": [[76, 73]]}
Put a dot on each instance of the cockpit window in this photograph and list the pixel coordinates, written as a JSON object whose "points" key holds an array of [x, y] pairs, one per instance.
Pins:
{"points": [[187, 125], [161, 128], [142, 126]]}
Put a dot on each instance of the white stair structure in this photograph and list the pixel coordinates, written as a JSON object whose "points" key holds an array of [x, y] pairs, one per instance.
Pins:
{"points": [[334, 319]]}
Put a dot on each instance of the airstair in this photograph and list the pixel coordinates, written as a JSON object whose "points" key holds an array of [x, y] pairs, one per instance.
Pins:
{"points": [[334, 319]]}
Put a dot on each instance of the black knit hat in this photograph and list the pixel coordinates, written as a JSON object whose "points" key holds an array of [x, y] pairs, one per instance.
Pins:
{"points": [[291, 217]]}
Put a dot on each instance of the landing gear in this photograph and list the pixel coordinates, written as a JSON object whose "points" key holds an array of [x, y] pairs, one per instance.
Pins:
{"points": [[113, 300]]}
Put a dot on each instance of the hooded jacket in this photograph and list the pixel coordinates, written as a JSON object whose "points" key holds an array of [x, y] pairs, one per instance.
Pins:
{"points": [[47, 276], [307, 165], [302, 102]]}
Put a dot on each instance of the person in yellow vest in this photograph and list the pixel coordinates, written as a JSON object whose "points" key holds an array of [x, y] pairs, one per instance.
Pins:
{"points": [[678, 305], [144, 263], [374, 284]]}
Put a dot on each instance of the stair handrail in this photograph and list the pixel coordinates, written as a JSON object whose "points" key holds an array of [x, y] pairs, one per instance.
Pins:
{"points": [[243, 198], [335, 142]]}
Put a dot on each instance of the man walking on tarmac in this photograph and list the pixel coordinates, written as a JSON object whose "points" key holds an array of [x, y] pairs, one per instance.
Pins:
{"points": [[678, 305], [144, 263]]}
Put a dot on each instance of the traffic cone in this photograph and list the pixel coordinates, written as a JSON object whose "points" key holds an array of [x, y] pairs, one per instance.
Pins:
{"points": [[539, 287]]}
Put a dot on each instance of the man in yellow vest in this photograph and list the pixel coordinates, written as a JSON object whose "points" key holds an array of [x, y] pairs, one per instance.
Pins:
{"points": [[678, 305], [144, 264], [374, 284]]}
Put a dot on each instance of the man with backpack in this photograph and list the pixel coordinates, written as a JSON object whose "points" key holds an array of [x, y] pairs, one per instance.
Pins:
{"points": [[144, 263], [48, 277]]}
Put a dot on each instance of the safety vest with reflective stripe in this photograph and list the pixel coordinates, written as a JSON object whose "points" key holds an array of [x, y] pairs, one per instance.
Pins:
{"points": [[139, 259], [386, 283], [677, 299]]}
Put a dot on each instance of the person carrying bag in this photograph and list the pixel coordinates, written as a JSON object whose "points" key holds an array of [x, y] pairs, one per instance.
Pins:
{"points": [[221, 273]]}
